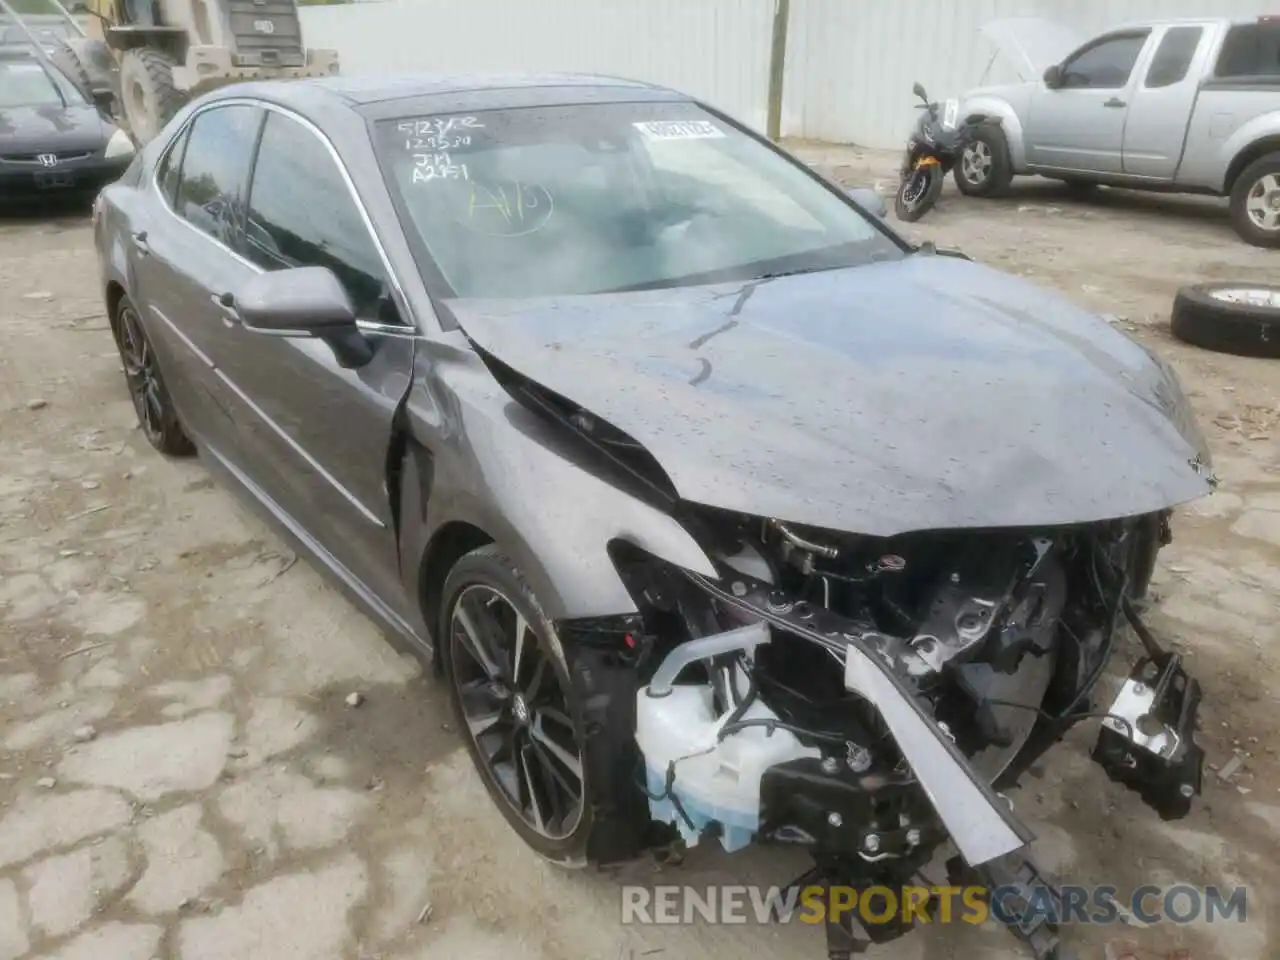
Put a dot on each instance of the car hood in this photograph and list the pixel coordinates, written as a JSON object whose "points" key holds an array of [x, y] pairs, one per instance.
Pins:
{"points": [[927, 393], [51, 129], [1031, 44]]}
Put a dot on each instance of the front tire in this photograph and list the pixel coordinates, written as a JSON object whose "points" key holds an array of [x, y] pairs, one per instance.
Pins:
{"points": [[1255, 202], [157, 416], [148, 98], [984, 168], [918, 192], [515, 704]]}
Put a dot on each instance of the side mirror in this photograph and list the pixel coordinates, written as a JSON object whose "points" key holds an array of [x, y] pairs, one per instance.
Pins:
{"points": [[1053, 77], [304, 302], [103, 99], [918, 90], [300, 302], [869, 200]]}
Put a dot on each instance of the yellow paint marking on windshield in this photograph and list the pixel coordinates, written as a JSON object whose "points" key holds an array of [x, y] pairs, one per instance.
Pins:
{"points": [[522, 208]]}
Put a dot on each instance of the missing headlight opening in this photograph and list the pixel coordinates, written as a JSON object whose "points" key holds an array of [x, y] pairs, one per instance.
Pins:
{"points": [[869, 698]]}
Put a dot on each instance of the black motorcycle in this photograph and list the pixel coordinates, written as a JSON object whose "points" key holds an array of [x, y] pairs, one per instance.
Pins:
{"points": [[934, 147]]}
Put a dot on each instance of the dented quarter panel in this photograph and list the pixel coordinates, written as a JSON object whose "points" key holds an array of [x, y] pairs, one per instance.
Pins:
{"points": [[928, 393], [503, 469]]}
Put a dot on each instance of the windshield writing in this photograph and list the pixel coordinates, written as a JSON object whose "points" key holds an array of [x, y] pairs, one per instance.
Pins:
{"points": [[585, 199]]}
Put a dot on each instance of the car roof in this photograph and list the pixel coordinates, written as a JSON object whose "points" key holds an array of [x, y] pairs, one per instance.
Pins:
{"points": [[1188, 22], [409, 94]]}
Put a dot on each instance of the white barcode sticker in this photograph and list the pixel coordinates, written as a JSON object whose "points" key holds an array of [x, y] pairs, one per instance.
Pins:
{"points": [[679, 130]]}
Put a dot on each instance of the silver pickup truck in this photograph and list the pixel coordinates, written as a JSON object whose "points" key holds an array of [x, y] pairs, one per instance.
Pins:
{"points": [[1183, 106]]}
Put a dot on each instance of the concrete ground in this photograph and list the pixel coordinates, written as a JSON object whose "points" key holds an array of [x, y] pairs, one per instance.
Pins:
{"points": [[182, 777]]}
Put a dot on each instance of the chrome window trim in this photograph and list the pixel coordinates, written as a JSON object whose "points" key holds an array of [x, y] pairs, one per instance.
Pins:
{"points": [[412, 328]]}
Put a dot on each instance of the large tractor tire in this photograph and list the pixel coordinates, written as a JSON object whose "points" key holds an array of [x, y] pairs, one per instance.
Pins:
{"points": [[148, 98], [69, 62], [97, 62]]}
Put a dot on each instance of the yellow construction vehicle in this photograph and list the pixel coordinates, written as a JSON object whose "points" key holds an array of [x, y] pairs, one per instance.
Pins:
{"points": [[165, 52]]}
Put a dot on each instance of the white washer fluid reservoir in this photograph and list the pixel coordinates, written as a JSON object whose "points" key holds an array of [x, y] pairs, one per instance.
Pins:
{"points": [[715, 782]]}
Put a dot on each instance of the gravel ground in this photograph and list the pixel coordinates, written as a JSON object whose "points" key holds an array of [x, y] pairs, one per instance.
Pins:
{"points": [[182, 777]]}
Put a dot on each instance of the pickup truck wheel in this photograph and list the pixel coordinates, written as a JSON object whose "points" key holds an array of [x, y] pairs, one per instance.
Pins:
{"points": [[984, 169], [1241, 319], [1255, 202]]}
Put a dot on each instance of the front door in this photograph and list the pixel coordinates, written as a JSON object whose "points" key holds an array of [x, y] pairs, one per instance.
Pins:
{"points": [[1078, 125], [321, 428]]}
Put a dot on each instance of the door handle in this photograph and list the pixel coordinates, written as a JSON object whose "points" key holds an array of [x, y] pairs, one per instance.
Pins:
{"points": [[227, 307], [1115, 102], [140, 242]]}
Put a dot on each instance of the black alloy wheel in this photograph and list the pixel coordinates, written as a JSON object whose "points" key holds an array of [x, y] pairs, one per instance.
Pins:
{"points": [[151, 402], [510, 692]]}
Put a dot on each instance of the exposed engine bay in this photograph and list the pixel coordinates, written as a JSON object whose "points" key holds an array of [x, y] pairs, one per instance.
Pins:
{"points": [[867, 698]]}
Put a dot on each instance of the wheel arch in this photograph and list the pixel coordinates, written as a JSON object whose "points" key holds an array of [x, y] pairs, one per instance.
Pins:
{"points": [[1251, 152], [438, 522], [994, 109], [114, 293], [453, 541]]}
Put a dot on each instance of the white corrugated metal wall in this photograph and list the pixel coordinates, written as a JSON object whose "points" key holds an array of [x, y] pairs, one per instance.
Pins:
{"points": [[717, 50], [850, 65]]}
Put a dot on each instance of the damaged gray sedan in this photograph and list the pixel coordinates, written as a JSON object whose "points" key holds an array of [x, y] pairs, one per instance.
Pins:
{"points": [[725, 512]]}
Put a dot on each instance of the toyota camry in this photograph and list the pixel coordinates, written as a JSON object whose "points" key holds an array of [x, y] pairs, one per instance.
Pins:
{"points": [[725, 513]]}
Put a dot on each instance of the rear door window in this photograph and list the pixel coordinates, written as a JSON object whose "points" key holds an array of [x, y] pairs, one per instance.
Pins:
{"points": [[1250, 50], [170, 169], [215, 170], [1173, 56]]}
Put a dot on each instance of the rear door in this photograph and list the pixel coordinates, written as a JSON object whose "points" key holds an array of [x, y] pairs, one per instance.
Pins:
{"points": [[1161, 103], [1079, 125], [185, 250], [321, 434]]}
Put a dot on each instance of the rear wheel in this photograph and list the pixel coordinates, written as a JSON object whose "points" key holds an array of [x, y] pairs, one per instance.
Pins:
{"points": [[515, 704], [157, 415], [1255, 202], [148, 98]]}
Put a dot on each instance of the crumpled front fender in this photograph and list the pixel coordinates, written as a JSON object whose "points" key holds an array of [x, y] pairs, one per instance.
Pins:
{"points": [[503, 469]]}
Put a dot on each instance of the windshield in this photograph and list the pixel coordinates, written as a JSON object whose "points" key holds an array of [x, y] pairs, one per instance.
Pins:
{"points": [[26, 84], [586, 199]]}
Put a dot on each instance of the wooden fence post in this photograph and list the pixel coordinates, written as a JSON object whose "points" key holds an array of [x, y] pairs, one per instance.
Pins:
{"points": [[778, 67]]}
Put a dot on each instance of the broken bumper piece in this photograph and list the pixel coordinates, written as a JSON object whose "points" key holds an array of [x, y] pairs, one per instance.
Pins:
{"points": [[1147, 741]]}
